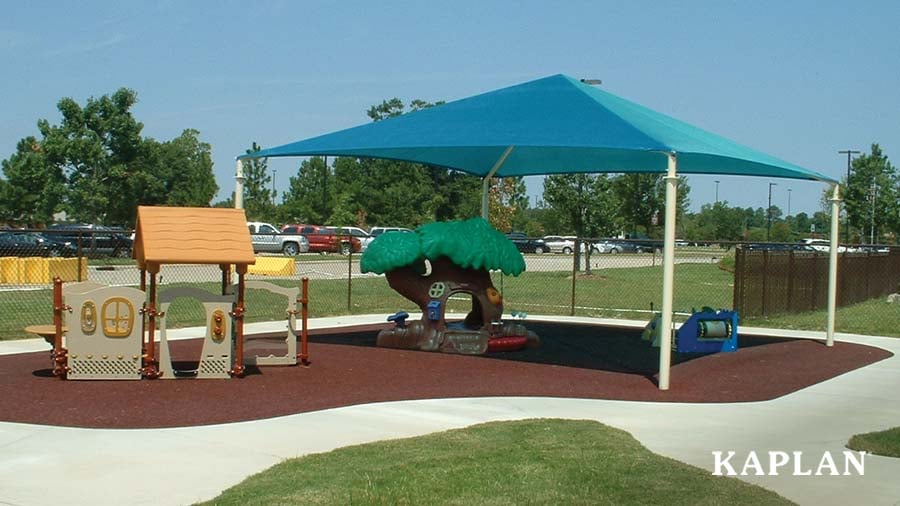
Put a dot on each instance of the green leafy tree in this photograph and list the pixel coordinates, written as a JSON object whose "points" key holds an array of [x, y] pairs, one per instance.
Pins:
{"points": [[34, 189], [96, 166], [507, 202], [587, 203], [95, 147], [642, 199], [716, 222], [872, 196], [308, 198], [258, 197]]}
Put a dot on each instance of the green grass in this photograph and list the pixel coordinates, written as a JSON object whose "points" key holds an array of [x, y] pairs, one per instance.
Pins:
{"points": [[886, 442], [612, 293], [874, 317], [501, 463]]}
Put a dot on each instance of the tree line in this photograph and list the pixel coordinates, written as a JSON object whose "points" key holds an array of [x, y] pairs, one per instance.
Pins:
{"points": [[97, 167]]}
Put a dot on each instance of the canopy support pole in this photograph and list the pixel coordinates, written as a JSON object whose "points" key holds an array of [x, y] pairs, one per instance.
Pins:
{"points": [[833, 264], [239, 185], [665, 340], [486, 184]]}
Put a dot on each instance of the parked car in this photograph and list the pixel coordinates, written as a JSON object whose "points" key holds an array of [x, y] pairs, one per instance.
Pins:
{"points": [[93, 240], [324, 239], [526, 244], [376, 231], [364, 237], [614, 246], [17, 243], [266, 238], [565, 244]]}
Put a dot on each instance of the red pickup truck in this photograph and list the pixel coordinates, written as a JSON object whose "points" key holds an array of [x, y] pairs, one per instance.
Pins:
{"points": [[324, 239]]}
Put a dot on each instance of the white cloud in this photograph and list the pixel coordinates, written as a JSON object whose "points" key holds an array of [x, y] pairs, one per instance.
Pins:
{"points": [[88, 47]]}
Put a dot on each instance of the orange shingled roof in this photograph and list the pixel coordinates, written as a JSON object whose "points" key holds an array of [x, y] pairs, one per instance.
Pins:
{"points": [[192, 235]]}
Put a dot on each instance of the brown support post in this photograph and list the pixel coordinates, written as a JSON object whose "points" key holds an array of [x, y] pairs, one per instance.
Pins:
{"points": [[226, 278], [150, 369], [59, 355], [304, 314], [238, 315]]}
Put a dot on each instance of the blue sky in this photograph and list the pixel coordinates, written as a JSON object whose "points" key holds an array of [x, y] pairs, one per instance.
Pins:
{"points": [[799, 80]]}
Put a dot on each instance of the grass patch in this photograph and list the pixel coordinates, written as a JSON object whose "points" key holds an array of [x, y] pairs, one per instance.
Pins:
{"points": [[521, 462], [875, 317], [610, 293], [885, 442]]}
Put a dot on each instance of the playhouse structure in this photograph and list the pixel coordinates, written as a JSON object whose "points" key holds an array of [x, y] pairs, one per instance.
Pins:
{"points": [[110, 331], [441, 260]]}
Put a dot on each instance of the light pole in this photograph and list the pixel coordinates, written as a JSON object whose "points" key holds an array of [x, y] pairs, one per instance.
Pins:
{"points": [[789, 202], [717, 191], [769, 213], [274, 173], [849, 153], [872, 223]]}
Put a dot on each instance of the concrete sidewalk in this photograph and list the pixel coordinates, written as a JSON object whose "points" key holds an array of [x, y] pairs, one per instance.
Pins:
{"points": [[41, 464]]}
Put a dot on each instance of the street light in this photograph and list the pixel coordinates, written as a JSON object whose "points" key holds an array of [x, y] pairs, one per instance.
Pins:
{"points": [[849, 153], [789, 202], [717, 191], [274, 173], [769, 213]]}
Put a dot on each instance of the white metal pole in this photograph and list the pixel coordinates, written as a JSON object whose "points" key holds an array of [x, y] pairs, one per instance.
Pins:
{"points": [[833, 264], [665, 341], [239, 186], [486, 184]]}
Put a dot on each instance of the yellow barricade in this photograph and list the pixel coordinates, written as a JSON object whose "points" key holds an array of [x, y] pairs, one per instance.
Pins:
{"points": [[272, 266], [66, 269], [10, 270], [41, 271], [36, 270]]}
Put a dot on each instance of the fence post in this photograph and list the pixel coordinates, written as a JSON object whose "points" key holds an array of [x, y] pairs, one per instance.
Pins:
{"points": [[790, 287], [575, 260], [349, 279], [737, 299], [765, 283]]}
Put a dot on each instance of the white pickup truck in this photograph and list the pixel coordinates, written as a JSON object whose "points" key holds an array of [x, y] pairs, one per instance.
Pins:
{"points": [[267, 239]]}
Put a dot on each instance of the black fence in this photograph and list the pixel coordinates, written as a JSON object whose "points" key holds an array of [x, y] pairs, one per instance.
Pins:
{"points": [[772, 281]]}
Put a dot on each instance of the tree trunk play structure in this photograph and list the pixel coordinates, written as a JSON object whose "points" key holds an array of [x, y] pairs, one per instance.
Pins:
{"points": [[440, 260]]}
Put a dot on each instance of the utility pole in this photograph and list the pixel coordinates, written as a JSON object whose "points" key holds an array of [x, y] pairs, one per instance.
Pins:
{"points": [[717, 191], [274, 173], [325, 190], [769, 213], [789, 202], [849, 153], [874, 194]]}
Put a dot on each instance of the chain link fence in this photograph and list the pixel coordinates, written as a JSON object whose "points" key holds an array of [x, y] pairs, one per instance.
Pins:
{"points": [[599, 281]]}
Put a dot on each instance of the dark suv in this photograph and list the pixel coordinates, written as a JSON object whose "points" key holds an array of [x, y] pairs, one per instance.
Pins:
{"points": [[93, 240], [20, 243], [526, 244]]}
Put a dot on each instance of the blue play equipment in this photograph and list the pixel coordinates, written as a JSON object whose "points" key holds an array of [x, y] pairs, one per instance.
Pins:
{"points": [[708, 331], [399, 318]]}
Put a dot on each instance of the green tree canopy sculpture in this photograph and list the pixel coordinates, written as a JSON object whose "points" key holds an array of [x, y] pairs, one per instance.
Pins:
{"points": [[470, 244]]}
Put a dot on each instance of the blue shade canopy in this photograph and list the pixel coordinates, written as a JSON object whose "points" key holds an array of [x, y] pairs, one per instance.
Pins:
{"points": [[555, 125]]}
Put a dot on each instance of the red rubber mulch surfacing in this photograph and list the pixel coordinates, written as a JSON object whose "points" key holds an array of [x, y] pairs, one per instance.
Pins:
{"points": [[580, 361]]}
